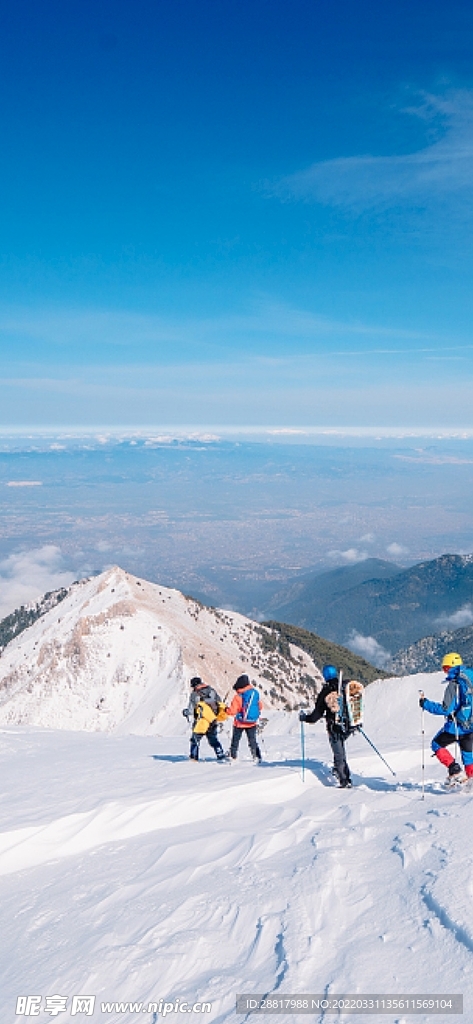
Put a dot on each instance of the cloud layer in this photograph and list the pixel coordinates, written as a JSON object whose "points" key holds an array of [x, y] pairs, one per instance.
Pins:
{"points": [[27, 575]]}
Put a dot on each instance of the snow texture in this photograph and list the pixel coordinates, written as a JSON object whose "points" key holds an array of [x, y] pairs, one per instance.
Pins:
{"points": [[130, 873]]}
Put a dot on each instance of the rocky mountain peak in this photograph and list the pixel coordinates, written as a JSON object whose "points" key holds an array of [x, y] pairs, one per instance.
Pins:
{"points": [[118, 652]]}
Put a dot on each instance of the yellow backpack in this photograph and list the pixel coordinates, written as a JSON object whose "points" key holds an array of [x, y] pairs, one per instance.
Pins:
{"points": [[203, 717]]}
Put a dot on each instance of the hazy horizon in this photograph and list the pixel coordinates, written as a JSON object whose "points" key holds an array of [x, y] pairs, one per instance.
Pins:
{"points": [[208, 515]]}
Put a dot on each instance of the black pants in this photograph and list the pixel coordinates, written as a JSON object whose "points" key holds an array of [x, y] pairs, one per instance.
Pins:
{"points": [[465, 742], [336, 739], [250, 731], [213, 739]]}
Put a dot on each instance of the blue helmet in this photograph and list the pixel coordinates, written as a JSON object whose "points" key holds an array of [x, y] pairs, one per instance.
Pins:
{"points": [[330, 673]]}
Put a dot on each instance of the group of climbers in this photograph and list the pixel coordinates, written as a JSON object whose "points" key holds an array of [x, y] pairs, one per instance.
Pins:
{"points": [[205, 710]]}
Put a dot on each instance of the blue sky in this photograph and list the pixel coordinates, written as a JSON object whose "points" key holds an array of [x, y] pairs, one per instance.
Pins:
{"points": [[236, 213]]}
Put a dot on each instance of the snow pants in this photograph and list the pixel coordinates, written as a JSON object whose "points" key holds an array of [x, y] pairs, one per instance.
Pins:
{"points": [[336, 739], [251, 737], [465, 742], [213, 739]]}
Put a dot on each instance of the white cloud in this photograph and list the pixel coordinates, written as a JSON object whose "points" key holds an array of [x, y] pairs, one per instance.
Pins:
{"points": [[24, 483], [462, 617], [442, 169], [369, 648], [397, 550], [351, 555], [103, 546], [27, 575]]}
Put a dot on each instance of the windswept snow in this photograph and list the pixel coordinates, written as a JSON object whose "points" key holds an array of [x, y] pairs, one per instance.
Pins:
{"points": [[118, 653], [132, 874]]}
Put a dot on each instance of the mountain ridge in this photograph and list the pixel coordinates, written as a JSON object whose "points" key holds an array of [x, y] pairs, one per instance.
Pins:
{"points": [[395, 611], [429, 651]]}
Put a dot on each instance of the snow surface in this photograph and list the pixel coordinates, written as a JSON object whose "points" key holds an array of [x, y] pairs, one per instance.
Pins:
{"points": [[130, 873]]}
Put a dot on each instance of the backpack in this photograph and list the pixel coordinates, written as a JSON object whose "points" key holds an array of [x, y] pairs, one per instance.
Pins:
{"points": [[250, 710], [353, 693], [350, 706], [204, 716], [221, 713], [464, 715]]}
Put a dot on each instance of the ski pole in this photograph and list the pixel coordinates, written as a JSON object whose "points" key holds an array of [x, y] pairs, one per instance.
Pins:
{"points": [[377, 751], [457, 702], [423, 746], [259, 729], [303, 751]]}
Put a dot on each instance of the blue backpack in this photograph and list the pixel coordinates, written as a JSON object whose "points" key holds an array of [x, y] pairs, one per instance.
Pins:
{"points": [[464, 715], [250, 710]]}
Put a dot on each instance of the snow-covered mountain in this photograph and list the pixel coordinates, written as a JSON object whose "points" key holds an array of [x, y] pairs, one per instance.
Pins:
{"points": [[118, 653]]}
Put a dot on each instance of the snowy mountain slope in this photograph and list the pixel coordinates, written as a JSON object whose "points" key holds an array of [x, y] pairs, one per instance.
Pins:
{"points": [[129, 873], [14, 624], [118, 654]]}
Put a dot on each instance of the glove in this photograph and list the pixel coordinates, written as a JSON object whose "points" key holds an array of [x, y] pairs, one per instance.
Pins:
{"points": [[302, 716], [422, 701], [186, 713]]}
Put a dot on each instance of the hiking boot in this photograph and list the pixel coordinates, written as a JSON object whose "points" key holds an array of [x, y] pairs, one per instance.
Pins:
{"points": [[455, 775], [257, 760], [346, 784]]}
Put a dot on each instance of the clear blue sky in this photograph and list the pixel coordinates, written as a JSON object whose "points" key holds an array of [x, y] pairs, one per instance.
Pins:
{"points": [[236, 212]]}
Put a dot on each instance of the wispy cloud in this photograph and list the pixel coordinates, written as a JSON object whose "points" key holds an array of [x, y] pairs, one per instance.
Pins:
{"points": [[369, 648], [27, 575], [462, 617], [24, 483], [397, 550], [442, 169], [351, 556], [59, 336]]}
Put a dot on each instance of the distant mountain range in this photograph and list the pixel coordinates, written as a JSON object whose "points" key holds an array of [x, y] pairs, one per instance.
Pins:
{"points": [[378, 599], [306, 598]]}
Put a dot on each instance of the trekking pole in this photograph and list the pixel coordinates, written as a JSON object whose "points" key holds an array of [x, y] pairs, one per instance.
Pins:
{"points": [[423, 746], [377, 751], [259, 729], [457, 701], [303, 751]]}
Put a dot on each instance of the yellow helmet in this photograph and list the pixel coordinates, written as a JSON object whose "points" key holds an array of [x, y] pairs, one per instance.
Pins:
{"points": [[450, 660]]}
